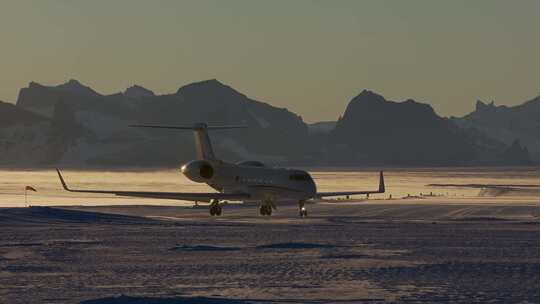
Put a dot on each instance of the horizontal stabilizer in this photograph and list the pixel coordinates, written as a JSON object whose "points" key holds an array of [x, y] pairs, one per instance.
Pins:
{"points": [[202, 141], [197, 126]]}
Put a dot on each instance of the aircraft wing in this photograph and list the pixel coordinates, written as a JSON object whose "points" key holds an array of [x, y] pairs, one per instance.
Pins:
{"points": [[342, 193], [185, 196]]}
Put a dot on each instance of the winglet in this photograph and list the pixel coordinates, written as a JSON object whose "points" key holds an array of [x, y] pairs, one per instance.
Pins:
{"points": [[381, 183], [62, 180]]}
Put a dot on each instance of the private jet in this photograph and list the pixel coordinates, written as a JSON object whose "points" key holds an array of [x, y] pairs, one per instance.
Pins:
{"points": [[248, 181]]}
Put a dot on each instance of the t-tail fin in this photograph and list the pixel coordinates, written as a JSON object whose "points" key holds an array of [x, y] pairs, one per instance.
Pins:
{"points": [[202, 140]]}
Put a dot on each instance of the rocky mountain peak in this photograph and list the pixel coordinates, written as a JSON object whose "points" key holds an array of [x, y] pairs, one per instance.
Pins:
{"points": [[74, 86], [481, 106], [34, 85], [368, 96], [368, 101], [138, 92], [204, 84], [210, 89]]}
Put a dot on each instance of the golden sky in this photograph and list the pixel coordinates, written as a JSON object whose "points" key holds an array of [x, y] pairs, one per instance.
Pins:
{"points": [[311, 57]]}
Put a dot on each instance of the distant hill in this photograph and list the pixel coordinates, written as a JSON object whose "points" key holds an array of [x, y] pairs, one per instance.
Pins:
{"points": [[375, 130], [73, 125], [507, 124], [138, 92], [274, 134], [29, 139]]}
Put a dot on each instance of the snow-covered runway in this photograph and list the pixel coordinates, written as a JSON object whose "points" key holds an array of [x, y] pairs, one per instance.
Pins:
{"points": [[373, 252]]}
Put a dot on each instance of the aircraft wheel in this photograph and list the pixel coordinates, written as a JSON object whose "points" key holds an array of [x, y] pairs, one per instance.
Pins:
{"points": [[302, 209], [215, 210], [265, 210]]}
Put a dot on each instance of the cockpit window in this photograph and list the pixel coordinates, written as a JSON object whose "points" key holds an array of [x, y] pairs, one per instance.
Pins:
{"points": [[299, 177]]}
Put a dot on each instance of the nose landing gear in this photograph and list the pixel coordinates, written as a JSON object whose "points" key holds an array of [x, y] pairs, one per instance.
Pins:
{"points": [[302, 209]]}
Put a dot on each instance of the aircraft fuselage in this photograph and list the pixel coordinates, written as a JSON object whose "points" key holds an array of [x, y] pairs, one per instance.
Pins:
{"points": [[259, 181]]}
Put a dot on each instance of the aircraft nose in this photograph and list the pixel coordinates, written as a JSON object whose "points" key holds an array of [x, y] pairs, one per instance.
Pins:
{"points": [[312, 186]]}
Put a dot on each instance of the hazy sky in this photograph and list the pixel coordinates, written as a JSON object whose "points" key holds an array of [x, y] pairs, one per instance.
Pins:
{"points": [[309, 56]]}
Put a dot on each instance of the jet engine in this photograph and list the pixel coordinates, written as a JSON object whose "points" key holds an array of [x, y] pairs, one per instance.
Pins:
{"points": [[199, 171]]}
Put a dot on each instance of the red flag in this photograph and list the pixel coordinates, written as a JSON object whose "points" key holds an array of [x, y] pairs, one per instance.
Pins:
{"points": [[28, 188]]}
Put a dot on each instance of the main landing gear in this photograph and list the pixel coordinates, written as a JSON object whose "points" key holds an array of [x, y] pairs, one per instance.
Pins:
{"points": [[265, 210], [302, 209], [215, 208], [266, 207]]}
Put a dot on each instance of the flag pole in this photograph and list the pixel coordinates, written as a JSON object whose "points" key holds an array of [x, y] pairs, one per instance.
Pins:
{"points": [[26, 193]]}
